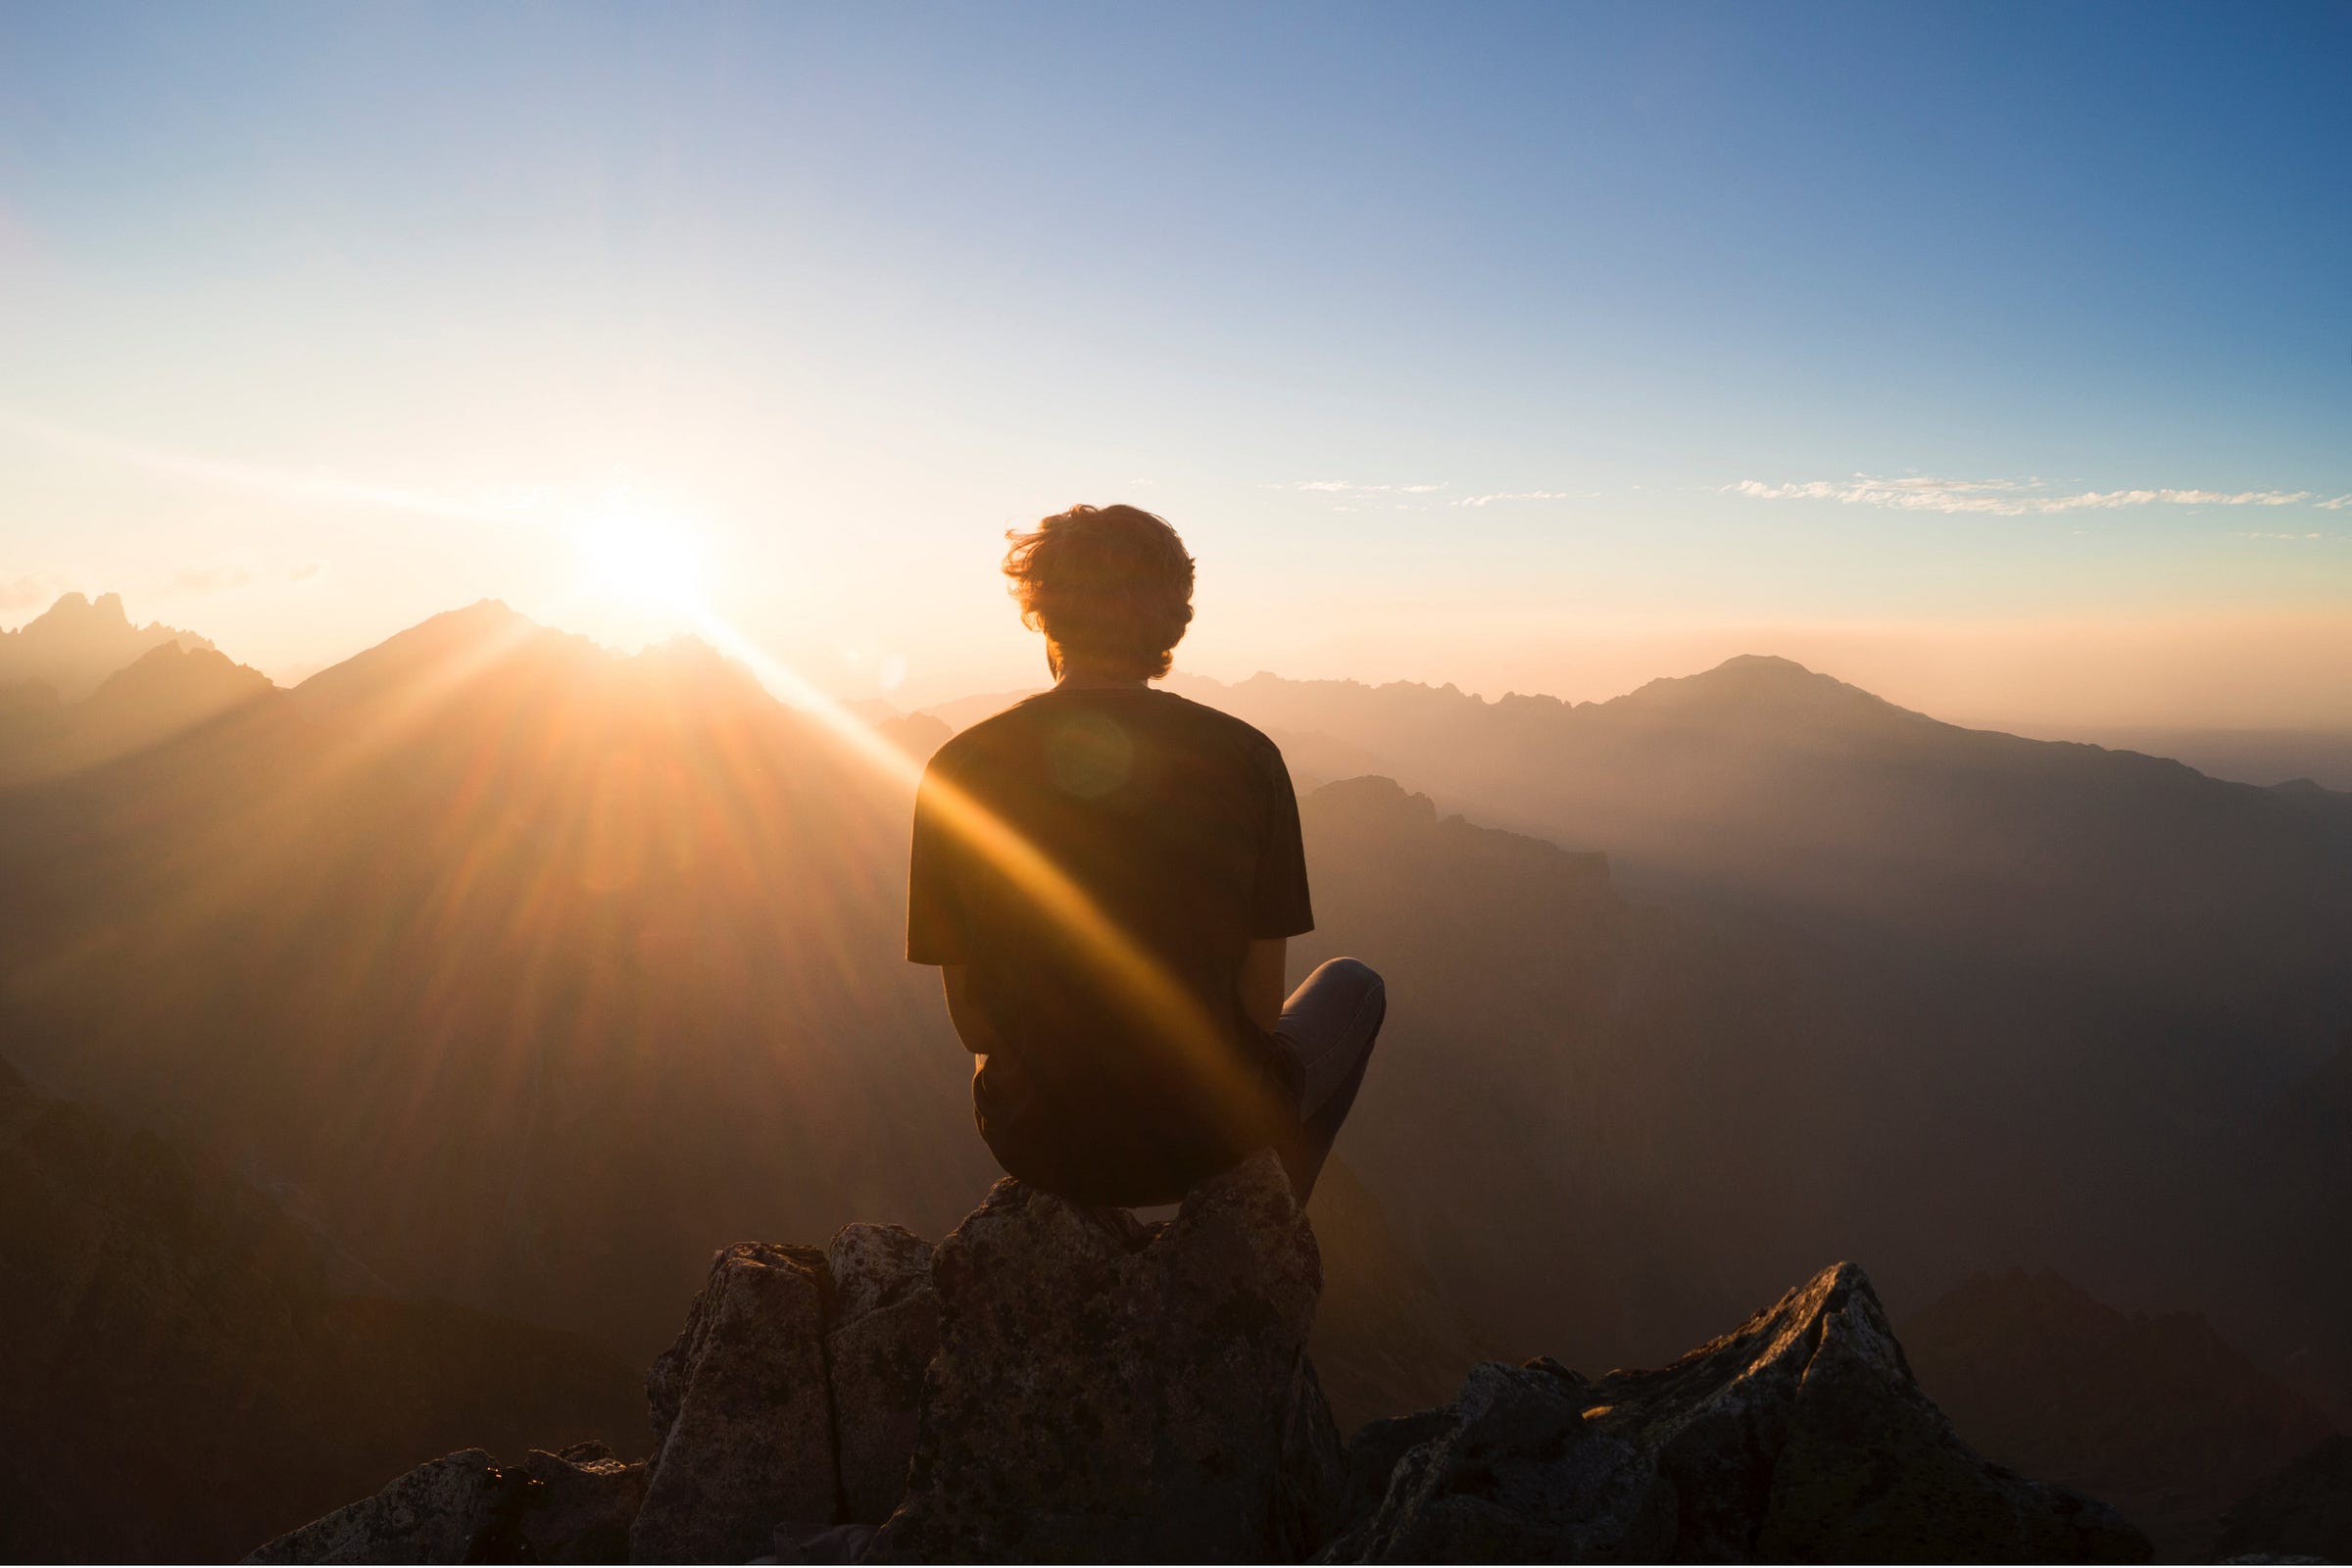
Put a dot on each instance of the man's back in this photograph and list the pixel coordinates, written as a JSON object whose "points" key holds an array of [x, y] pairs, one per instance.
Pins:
{"points": [[1177, 828]]}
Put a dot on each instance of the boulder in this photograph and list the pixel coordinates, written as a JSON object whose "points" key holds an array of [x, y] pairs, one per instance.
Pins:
{"points": [[1115, 1393], [885, 1331], [742, 1411], [431, 1515], [568, 1507], [1799, 1436], [580, 1508]]}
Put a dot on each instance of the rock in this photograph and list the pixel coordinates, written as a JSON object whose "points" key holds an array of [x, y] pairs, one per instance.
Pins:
{"points": [[834, 1543], [2303, 1513], [742, 1414], [582, 1505], [885, 1332], [1799, 1436], [1112, 1394], [431, 1515], [571, 1507]]}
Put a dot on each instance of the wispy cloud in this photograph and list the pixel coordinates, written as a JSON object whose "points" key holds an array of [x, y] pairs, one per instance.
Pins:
{"points": [[2008, 497], [1349, 487], [1525, 495]]}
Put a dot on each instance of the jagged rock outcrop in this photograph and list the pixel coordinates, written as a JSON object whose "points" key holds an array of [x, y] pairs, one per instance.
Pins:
{"points": [[1058, 1384], [568, 1507], [1800, 1437], [1111, 1393], [885, 1332], [743, 1411]]}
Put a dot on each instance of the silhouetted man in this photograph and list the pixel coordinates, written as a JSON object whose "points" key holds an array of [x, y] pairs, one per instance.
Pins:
{"points": [[1108, 874]]}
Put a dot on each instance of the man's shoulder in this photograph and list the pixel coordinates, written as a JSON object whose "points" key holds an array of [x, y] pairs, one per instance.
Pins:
{"points": [[1018, 725], [980, 735], [1215, 721]]}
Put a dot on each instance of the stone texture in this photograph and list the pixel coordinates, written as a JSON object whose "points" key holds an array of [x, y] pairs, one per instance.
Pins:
{"points": [[568, 1507], [1110, 1393], [743, 1417], [431, 1515], [1802, 1437], [581, 1505], [885, 1332]]}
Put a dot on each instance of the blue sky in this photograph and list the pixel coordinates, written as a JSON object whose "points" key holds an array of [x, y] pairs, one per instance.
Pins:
{"points": [[2022, 325]]}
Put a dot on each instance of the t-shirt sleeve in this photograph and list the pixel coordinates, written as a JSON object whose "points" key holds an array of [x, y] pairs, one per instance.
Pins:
{"points": [[935, 915], [1277, 902]]}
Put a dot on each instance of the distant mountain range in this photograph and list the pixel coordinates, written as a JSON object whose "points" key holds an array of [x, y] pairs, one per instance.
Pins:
{"points": [[530, 973], [79, 642]]}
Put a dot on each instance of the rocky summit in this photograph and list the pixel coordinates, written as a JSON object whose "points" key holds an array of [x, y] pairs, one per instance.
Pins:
{"points": [[1055, 1383]]}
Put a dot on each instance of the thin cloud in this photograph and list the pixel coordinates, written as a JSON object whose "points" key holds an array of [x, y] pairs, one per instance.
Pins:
{"points": [[306, 571], [2005, 498], [1349, 487], [1525, 495]]}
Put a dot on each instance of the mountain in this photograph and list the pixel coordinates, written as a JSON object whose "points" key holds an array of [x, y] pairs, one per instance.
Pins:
{"points": [[165, 690], [2155, 1413], [510, 959], [1653, 1084], [2017, 967], [191, 1373], [2303, 1513], [1387, 1336], [78, 642], [530, 974]]}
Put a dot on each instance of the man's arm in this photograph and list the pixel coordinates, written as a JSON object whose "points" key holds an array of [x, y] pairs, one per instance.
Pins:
{"points": [[971, 1026], [1261, 982]]}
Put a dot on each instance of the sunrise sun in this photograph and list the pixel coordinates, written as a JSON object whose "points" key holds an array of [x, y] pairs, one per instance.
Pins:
{"points": [[640, 559]]}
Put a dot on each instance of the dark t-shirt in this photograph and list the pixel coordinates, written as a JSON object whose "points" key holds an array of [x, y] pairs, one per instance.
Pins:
{"points": [[1100, 860]]}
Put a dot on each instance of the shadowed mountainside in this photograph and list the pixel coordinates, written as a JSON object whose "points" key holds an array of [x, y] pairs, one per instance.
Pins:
{"points": [[2156, 1414], [2042, 967], [189, 1372]]}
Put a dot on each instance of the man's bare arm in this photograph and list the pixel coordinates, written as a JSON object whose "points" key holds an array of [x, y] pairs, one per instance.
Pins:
{"points": [[1261, 981], [971, 1027]]}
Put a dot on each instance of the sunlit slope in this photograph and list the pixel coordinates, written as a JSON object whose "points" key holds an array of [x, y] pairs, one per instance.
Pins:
{"points": [[539, 971]]}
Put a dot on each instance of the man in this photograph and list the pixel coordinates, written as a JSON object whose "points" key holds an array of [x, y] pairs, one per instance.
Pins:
{"points": [[1108, 874]]}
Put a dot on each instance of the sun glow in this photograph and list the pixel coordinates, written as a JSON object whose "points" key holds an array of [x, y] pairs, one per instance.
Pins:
{"points": [[640, 559]]}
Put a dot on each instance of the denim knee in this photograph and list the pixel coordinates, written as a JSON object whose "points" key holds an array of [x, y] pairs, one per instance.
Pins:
{"points": [[1354, 971]]}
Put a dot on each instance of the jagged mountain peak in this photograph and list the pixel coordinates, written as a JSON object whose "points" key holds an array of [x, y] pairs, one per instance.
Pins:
{"points": [[78, 642]]}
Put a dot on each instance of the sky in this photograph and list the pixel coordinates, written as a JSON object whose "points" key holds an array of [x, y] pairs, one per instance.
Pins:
{"points": [[1998, 358]]}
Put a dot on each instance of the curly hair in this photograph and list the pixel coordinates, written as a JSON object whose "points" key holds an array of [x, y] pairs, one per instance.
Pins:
{"points": [[1112, 584]]}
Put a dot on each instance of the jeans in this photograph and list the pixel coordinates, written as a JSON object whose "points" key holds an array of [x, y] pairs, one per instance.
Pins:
{"points": [[1328, 1027]]}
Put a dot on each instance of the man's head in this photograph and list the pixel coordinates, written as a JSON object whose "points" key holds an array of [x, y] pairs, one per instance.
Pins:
{"points": [[1110, 587]]}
